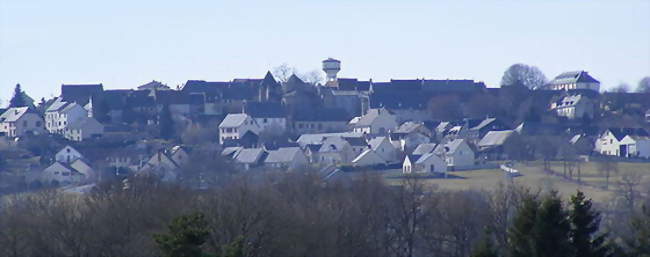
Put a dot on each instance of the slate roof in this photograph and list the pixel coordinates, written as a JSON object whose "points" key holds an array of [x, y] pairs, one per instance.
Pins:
{"points": [[484, 123], [178, 97], [249, 155], [232, 150], [424, 148], [57, 105], [352, 84], [282, 155], [453, 145], [574, 77], [376, 142], [233, 120], [495, 138], [265, 110], [408, 127], [322, 114], [620, 133], [202, 86], [153, 85], [370, 117], [83, 122], [333, 144], [13, 114], [356, 141], [80, 93], [306, 139], [423, 158]]}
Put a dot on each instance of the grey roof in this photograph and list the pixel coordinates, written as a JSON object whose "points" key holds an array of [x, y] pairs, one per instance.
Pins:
{"points": [[484, 123], [70, 106], [574, 77], [375, 142], [452, 146], [153, 85], [495, 138], [232, 150], [233, 120], [370, 117], [424, 148], [13, 114], [356, 141], [265, 110], [333, 144], [83, 122], [282, 155], [306, 139], [57, 105], [249, 155], [408, 127], [423, 158]]}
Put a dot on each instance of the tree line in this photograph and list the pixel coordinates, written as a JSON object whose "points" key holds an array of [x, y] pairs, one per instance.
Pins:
{"points": [[301, 215]]}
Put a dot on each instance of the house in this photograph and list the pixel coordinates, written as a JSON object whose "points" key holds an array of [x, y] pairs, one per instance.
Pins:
{"points": [[235, 126], [369, 158], [384, 148], [20, 121], [574, 80], [335, 150], [161, 165], [83, 129], [153, 85], [426, 163], [318, 138], [68, 155], [358, 144], [375, 122], [574, 107], [246, 158], [286, 158], [323, 120], [409, 135], [80, 93], [268, 115], [624, 142], [484, 126], [60, 114], [424, 149], [492, 144], [61, 174], [457, 154]]}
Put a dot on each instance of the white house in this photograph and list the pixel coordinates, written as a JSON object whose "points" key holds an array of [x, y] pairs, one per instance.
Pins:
{"points": [[426, 163], [61, 174], [457, 154], [383, 147], [287, 158], [574, 107], [234, 126], [19, 121], [409, 135], [83, 128], [624, 142], [368, 158], [375, 122], [573, 80], [161, 165], [61, 114], [68, 155], [267, 115], [335, 150], [247, 158]]}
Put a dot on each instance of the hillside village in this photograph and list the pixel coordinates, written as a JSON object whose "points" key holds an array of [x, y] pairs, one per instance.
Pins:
{"points": [[338, 126]]}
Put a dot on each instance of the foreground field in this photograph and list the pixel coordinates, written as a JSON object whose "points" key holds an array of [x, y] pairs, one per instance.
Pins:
{"points": [[533, 176]]}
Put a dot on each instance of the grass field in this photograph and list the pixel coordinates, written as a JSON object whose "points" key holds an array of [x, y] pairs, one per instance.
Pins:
{"points": [[533, 176]]}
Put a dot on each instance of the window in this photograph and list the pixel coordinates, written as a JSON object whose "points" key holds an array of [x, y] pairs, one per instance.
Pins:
{"points": [[264, 120]]}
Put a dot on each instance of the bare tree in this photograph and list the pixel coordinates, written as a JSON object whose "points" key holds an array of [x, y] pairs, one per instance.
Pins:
{"points": [[283, 72], [644, 85], [621, 88], [314, 77], [606, 166], [523, 75]]}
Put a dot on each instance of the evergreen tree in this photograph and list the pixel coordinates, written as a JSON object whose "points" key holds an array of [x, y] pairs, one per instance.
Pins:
{"points": [[639, 243], [485, 248], [185, 237], [166, 123], [540, 229], [552, 229], [584, 224], [519, 234], [18, 100]]}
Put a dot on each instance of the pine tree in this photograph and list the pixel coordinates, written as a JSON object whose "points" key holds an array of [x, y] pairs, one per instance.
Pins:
{"points": [[519, 234], [185, 237], [584, 224], [552, 229], [166, 123], [18, 100], [485, 248]]}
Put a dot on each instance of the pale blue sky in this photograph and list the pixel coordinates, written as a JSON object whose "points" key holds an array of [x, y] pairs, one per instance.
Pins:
{"points": [[123, 44]]}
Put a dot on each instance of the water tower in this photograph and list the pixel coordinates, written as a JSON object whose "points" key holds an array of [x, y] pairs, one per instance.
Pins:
{"points": [[331, 67]]}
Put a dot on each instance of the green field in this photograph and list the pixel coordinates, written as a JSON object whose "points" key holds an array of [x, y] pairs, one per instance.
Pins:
{"points": [[533, 176]]}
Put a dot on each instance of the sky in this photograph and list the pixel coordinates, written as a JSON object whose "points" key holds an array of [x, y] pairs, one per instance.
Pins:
{"points": [[123, 44]]}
